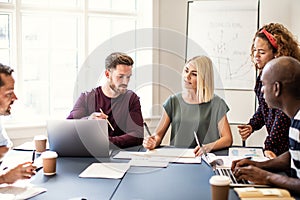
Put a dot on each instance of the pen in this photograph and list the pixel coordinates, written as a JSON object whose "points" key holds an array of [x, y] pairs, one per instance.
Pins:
{"points": [[112, 128], [147, 129], [244, 143], [33, 156], [200, 145]]}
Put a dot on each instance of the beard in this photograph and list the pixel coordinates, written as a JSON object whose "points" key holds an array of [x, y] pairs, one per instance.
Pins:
{"points": [[5, 112], [121, 89]]}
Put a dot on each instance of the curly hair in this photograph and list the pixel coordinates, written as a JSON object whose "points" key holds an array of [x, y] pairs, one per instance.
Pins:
{"points": [[286, 41]]}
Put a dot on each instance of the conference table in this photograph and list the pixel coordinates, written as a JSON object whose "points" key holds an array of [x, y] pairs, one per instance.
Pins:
{"points": [[177, 181]]}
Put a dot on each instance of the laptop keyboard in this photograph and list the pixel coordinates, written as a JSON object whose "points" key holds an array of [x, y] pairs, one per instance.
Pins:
{"points": [[228, 172]]}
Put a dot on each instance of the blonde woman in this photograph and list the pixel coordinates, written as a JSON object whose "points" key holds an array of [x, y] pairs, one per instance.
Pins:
{"points": [[197, 109]]}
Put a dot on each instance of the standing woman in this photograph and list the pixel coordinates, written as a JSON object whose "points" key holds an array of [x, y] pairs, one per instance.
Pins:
{"points": [[271, 41], [197, 109]]}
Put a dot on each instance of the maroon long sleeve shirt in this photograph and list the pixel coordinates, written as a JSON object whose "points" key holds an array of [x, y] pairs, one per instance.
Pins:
{"points": [[124, 113]]}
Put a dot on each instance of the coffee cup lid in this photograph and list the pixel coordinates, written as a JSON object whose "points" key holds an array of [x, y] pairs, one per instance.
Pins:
{"points": [[219, 180], [40, 137], [49, 154]]}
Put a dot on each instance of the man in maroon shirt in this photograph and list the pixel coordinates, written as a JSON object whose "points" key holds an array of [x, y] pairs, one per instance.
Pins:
{"points": [[112, 101]]}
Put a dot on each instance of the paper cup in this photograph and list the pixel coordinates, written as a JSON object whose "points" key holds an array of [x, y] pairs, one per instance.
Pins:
{"points": [[49, 162], [219, 187], [40, 142]]}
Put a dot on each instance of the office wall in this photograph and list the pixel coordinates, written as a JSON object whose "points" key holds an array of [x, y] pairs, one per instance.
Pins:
{"points": [[171, 15], [24, 133]]}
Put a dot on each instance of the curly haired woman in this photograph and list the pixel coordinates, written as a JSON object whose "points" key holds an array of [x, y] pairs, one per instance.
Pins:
{"points": [[270, 41]]}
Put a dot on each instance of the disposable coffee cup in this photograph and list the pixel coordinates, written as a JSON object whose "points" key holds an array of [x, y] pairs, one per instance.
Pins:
{"points": [[49, 162], [219, 187], [40, 142]]}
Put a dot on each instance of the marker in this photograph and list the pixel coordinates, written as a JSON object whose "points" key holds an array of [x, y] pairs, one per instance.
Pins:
{"points": [[147, 129]]}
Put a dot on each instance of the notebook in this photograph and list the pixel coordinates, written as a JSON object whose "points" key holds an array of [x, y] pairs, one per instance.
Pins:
{"points": [[78, 138]]}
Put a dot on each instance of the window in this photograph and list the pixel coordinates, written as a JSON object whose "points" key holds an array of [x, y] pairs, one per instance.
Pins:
{"points": [[48, 41], [4, 37]]}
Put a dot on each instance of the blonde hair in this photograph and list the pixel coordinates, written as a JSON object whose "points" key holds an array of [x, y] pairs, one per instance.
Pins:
{"points": [[205, 77]]}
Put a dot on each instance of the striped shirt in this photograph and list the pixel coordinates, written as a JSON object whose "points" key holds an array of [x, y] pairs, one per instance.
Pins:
{"points": [[294, 138]]}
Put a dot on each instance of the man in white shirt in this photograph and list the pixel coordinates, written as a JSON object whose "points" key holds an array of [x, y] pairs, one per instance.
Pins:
{"points": [[5, 142], [7, 98]]}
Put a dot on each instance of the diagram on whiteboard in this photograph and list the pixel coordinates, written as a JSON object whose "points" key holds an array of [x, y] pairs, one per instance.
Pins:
{"points": [[225, 32]]}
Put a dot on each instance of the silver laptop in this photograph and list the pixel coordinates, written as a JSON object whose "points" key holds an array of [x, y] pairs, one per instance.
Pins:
{"points": [[78, 138], [218, 169]]}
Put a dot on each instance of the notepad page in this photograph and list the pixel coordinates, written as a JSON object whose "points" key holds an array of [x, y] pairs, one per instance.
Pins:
{"points": [[172, 152], [246, 152], [148, 163], [22, 189], [105, 170]]}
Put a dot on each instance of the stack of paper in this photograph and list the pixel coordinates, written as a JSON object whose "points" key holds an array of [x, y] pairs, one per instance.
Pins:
{"points": [[148, 163], [175, 155], [172, 152]]}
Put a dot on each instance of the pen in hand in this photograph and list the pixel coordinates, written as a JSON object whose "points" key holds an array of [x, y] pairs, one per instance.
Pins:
{"points": [[112, 128], [200, 145], [33, 156], [147, 129]]}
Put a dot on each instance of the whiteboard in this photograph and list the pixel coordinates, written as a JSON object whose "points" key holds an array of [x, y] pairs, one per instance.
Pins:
{"points": [[224, 29], [241, 104]]}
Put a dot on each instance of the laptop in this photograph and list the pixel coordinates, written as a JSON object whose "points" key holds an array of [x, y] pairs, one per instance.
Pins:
{"points": [[78, 138], [219, 169]]}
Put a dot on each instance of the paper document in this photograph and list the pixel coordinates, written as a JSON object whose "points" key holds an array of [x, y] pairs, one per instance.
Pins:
{"points": [[245, 152], [130, 155], [194, 160], [19, 190], [175, 155], [28, 146], [161, 152], [105, 170], [250, 193], [14, 158], [172, 152], [148, 163]]}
